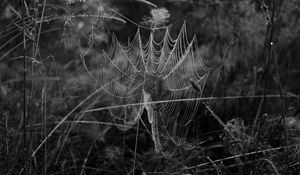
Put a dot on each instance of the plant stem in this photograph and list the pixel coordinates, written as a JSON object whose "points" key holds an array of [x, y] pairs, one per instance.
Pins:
{"points": [[24, 77], [135, 146], [270, 45]]}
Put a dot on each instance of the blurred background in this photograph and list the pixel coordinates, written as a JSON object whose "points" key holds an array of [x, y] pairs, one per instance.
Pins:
{"points": [[251, 46]]}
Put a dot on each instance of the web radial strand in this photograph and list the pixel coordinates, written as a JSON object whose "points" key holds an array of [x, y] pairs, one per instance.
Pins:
{"points": [[121, 88], [118, 88], [133, 113], [146, 53], [168, 144], [129, 56], [134, 53], [119, 91], [178, 58], [177, 51], [129, 118], [118, 71], [150, 55], [167, 135], [118, 61], [155, 49], [189, 110], [190, 72], [171, 109], [176, 116], [168, 45], [177, 133], [129, 115]]}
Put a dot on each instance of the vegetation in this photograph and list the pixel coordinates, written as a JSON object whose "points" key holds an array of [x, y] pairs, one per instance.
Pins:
{"points": [[58, 114]]}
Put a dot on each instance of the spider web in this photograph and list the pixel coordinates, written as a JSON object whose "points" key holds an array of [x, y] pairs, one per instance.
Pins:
{"points": [[142, 73]]}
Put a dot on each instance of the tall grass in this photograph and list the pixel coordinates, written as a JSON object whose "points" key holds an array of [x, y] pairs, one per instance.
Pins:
{"points": [[50, 105]]}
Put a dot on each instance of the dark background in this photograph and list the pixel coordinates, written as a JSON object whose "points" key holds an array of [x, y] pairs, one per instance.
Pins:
{"points": [[234, 39]]}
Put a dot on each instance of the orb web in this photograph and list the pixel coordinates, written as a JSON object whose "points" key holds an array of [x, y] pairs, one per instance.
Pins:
{"points": [[157, 77]]}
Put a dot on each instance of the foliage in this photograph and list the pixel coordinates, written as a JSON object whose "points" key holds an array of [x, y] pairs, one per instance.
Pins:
{"points": [[50, 49]]}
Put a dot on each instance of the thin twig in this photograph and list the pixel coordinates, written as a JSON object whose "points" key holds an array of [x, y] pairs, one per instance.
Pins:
{"points": [[270, 45], [235, 156], [135, 146], [24, 78], [83, 167], [64, 119], [186, 100]]}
